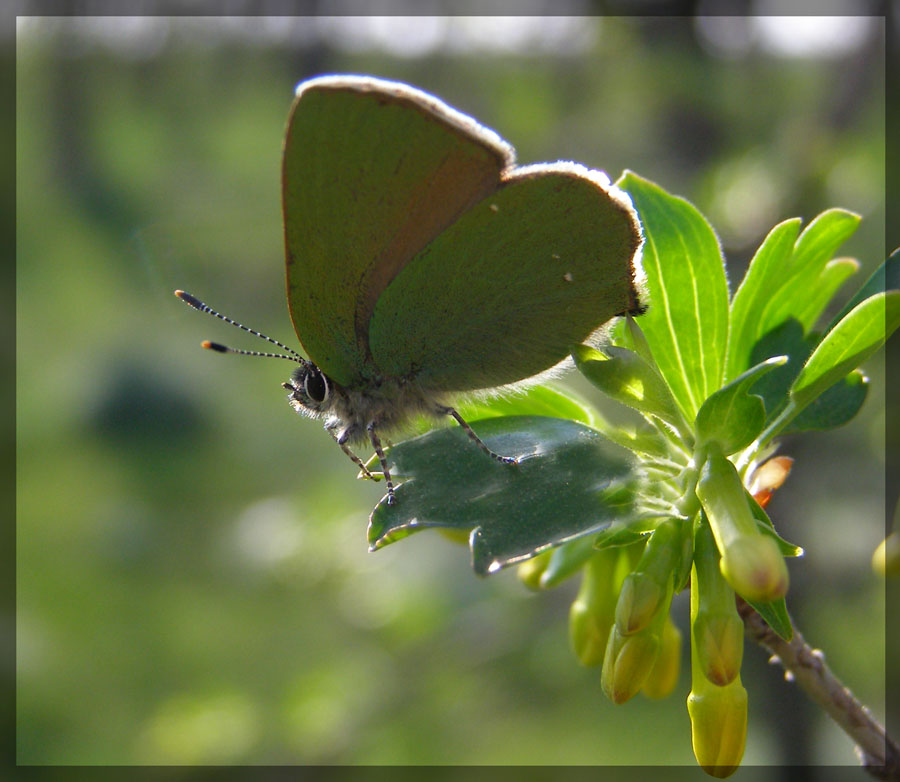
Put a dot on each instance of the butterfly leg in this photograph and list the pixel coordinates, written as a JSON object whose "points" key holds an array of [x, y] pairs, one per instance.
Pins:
{"points": [[443, 410], [379, 452], [353, 457]]}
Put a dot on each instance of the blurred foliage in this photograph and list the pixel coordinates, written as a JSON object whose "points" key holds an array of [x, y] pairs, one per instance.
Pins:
{"points": [[192, 578]]}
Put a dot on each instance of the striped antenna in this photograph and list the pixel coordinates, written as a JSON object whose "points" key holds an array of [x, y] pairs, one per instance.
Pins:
{"points": [[194, 302], [225, 349]]}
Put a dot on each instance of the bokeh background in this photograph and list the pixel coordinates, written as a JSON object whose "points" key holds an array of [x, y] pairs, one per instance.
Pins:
{"points": [[193, 584]]}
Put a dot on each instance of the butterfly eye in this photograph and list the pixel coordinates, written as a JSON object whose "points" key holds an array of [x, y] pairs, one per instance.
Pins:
{"points": [[315, 385]]}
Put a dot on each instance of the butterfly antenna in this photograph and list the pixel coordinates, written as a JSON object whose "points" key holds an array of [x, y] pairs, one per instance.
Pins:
{"points": [[225, 349], [199, 305]]}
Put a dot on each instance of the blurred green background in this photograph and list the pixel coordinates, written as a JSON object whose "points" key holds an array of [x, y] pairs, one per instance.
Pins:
{"points": [[192, 578]]}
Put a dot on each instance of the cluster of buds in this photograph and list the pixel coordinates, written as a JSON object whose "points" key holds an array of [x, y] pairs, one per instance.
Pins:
{"points": [[620, 620]]}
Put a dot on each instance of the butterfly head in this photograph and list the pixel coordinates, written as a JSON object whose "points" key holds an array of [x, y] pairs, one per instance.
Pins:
{"points": [[312, 393]]}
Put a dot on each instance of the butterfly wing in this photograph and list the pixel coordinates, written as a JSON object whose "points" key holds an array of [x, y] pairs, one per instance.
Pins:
{"points": [[372, 171], [505, 291]]}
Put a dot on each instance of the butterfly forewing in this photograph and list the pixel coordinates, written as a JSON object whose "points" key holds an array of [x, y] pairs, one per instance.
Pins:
{"points": [[507, 289], [372, 172]]}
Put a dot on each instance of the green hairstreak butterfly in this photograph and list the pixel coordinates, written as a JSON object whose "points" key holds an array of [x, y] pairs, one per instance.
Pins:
{"points": [[422, 263]]}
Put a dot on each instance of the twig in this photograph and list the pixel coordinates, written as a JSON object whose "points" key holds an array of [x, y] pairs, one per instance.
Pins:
{"points": [[879, 755]]}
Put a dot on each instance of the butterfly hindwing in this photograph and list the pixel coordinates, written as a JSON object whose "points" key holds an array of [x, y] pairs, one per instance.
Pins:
{"points": [[505, 291]]}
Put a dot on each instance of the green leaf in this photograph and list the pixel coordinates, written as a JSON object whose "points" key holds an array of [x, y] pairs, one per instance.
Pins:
{"points": [[638, 436], [686, 323], [838, 405], [822, 291], [835, 407], [732, 416], [776, 616], [885, 278], [788, 340], [821, 238], [812, 252], [545, 400], [765, 525], [785, 282], [766, 267], [847, 345], [627, 378], [633, 339], [570, 481]]}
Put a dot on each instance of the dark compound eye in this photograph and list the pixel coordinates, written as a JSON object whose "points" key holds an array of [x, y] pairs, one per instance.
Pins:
{"points": [[316, 386]]}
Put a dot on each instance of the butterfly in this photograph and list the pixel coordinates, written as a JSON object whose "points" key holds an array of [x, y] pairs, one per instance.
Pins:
{"points": [[423, 264]]}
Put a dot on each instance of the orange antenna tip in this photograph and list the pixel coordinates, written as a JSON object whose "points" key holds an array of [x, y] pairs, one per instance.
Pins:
{"points": [[194, 302]]}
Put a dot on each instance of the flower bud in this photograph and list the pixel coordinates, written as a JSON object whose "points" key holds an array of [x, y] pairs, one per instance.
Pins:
{"points": [[593, 610], [647, 591], [628, 662], [664, 676], [718, 726], [530, 571], [587, 633], [638, 602], [755, 568], [719, 640], [751, 561]]}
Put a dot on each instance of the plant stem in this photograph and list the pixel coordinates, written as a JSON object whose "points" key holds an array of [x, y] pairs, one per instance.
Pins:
{"points": [[880, 756], [789, 412]]}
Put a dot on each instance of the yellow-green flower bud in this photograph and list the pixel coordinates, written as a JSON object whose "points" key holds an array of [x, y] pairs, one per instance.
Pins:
{"points": [[587, 633], [755, 568], [718, 726], [647, 590], [530, 571], [751, 561], [593, 610], [664, 676], [628, 662], [718, 713], [719, 640], [638, 602]]}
